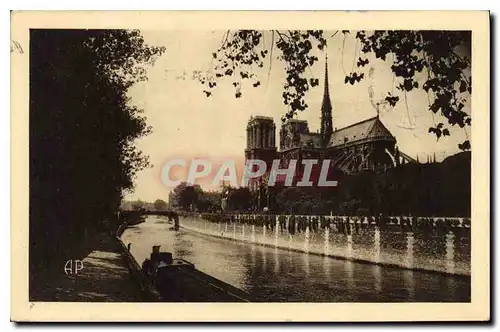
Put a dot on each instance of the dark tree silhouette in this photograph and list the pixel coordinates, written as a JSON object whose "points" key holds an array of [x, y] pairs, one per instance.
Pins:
{"points": [[239, 199], [82, 129], [160, 204], [399, 191], [186, 195], [435, 53], [138, 205]]}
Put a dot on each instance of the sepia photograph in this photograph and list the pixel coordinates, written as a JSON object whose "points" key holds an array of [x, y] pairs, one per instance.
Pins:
{"points": [[297, 163]]}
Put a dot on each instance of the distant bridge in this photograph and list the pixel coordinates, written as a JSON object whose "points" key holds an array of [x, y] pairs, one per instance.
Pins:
{"points": [[167, 213], [134, 217]]}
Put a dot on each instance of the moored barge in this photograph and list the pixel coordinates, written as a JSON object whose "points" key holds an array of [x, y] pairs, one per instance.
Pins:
{"points": [[178, 280]]}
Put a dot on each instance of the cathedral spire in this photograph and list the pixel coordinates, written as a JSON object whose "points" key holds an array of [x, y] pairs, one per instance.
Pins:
{"points": [[326, 110]]}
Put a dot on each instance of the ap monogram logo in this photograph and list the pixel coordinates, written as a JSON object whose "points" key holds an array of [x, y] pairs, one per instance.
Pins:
{"points": [[73, 267]]}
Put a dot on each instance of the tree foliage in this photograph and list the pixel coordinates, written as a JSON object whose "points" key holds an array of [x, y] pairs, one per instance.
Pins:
{"points": [[185, 195], [138, 205], [239, 199], [82, 129], [436, 54], [433, 53], [242, 49], [160, 204], [192, 197], [399, 191]]}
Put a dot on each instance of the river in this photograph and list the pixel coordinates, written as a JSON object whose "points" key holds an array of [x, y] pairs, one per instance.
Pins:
{"points": [[276, 275]]}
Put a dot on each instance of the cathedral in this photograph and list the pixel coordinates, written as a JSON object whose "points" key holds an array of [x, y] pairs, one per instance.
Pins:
{"points": [[366, 145]]}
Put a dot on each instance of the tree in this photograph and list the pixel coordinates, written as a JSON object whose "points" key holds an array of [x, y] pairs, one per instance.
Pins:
{"points": [[436, 53], [297, 199], [186, 195], [82, 133], [208, 201], [138, 205], [242, 49], [408, 52], [160, 204], [239, 199]]}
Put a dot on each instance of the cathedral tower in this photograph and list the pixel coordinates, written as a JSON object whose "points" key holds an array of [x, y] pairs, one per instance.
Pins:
{"points": [[261, 144], [326, 111]]}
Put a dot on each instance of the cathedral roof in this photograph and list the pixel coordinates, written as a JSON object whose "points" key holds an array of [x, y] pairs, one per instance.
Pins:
{"points": [[368, 129]]}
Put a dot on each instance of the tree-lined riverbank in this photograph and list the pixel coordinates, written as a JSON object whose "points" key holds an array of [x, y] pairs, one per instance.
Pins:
{"points": [[104, 276]]}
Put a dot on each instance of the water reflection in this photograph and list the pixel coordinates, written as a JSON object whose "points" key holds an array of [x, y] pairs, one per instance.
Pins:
{"points": [[306, 268], [349, 270], [264, 261], [276, 261], [252, 255], [410, 283], [326, 268], [271, 274]]}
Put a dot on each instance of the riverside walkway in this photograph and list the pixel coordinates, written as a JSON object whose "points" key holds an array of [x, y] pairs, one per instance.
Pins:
{"points": [[105, 277]]}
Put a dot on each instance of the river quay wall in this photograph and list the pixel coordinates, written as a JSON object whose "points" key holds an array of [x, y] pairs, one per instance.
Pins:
{"points": [[417, 243], [148, 291]]}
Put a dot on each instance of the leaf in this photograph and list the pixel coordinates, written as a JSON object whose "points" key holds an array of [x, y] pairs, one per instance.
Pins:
{"points": [[392, 100], [314, 81], [446, 132], [237, 94], [436, 131], [434, 107], [408, 84], [256, 84], [354, 78], [463, 86], [464, 146], [362, 62], [208, 93]]}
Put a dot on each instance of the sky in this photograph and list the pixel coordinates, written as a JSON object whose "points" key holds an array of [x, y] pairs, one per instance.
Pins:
{"points": [[187, 124]]}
